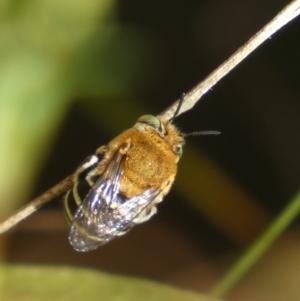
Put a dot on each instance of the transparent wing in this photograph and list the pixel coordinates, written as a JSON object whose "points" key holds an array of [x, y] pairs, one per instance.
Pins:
{"points": [[105, 213]]}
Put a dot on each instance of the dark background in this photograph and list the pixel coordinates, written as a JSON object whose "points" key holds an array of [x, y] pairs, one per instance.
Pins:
{"points": [[256, 108]]}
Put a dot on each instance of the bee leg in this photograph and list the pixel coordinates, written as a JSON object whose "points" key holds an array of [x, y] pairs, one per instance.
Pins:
{"points": [[145, 215], [102, 150]]}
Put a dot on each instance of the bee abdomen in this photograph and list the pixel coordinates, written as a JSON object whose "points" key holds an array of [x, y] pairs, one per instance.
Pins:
{"points": [[84, 180]]}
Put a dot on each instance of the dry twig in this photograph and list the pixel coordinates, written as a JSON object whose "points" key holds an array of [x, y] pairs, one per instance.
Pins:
{"points": [[37, 203], [191, 98], [290, 12]]}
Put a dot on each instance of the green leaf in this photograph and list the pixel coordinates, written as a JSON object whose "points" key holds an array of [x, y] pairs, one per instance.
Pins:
{"points": [[41, 283]]}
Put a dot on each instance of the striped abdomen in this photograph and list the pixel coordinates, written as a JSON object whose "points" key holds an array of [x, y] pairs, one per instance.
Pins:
{"points": [[84, 180]]}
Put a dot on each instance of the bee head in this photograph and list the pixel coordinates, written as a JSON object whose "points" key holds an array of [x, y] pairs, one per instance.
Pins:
{"points": [[159, 123], [165, 129]]}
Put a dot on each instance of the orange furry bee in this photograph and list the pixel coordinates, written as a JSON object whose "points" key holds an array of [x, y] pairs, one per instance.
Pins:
{"points": [[120, 185]]}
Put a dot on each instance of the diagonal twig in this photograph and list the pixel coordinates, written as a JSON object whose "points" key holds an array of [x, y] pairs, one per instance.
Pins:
{"points": [[191, 98], [290, 12], [37, 203]]}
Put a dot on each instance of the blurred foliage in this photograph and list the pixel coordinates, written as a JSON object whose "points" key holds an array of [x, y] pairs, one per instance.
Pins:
{"points": [[30, 283], [259, 248], [51, 52]]}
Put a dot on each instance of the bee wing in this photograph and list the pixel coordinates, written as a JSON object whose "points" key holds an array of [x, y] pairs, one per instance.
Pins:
{"points": [[105, 213]]}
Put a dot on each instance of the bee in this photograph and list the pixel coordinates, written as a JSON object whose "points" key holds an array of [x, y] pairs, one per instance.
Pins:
{"points": [[120, 185]]}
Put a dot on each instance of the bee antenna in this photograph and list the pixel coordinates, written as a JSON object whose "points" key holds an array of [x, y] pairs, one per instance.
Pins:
{"points": [[178, 107], [202, 133]]}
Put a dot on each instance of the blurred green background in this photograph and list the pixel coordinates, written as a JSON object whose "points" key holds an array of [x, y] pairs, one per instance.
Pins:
{"points": [[74, 74]]}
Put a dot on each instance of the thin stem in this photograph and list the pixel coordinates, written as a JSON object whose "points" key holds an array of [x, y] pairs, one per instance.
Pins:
{"points": [[192, 97], [37, 203], [258, 249]]}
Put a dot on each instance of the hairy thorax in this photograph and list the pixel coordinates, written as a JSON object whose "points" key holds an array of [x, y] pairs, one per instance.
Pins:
{"points": [[150, 162]]}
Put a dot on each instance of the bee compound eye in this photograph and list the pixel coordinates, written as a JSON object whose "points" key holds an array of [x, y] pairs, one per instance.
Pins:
{"points": [[150, 120]]}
